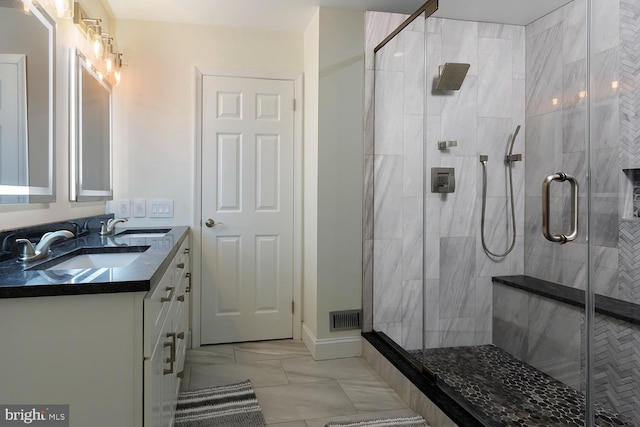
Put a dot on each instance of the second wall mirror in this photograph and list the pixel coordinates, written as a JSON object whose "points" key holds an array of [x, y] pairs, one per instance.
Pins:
{"points": [[91, 139]]}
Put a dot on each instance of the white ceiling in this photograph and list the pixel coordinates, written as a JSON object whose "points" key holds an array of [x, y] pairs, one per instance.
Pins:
{"points": [[294, 15]]}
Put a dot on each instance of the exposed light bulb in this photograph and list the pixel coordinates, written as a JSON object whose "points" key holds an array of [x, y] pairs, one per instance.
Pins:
{"points": [[109, 63], [98, 47], [614, 84], [117, 76], [26, 6], [64, 8]]}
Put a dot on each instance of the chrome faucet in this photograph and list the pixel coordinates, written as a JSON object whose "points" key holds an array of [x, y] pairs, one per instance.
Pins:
{"points": [[108, 228], [41, 250]]}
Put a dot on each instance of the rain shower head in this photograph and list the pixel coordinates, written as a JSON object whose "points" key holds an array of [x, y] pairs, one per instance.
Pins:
{"points": [[452, 75]]}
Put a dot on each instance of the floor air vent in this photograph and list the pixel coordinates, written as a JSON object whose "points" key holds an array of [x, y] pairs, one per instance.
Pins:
{"points": [[343, 320]]}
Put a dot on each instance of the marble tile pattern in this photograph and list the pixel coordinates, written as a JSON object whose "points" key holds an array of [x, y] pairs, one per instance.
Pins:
{"points": [[293, 389], [406, 217]]}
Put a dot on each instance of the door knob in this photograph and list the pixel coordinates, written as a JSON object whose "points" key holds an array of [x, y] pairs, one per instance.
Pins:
{"points": [[211, 223]]}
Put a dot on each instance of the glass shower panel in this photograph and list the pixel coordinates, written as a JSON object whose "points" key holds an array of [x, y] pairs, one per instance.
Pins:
{"points": [[614, 154], [398, 188], [554, 101]]}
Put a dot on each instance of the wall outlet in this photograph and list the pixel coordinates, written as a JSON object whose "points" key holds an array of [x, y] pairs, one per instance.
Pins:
{"points": [[123, 209], [160, 208], [139, 208]]}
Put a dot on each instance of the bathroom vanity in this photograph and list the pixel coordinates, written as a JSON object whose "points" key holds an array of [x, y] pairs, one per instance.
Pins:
{"points": [[108, 339]]}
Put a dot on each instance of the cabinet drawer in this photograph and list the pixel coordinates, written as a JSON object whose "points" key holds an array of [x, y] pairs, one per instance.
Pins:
{"points": [[156, 307]]}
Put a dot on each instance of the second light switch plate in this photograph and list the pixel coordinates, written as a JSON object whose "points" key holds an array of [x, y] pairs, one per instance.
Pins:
{"points": [[139, 208]]}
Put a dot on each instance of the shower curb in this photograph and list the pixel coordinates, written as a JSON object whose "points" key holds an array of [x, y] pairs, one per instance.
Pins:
{"points": [[456, 413]]}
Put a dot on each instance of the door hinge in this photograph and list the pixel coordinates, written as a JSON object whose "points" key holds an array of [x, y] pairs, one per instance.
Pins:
{"points": [[294, 104], [293, 306]]}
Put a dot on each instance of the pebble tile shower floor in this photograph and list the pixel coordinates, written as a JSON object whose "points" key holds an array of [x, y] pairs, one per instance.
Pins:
{"points": [[505, 391]]}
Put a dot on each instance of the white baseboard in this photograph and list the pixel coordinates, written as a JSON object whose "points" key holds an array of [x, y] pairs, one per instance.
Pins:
{"points": [[331, 348]]}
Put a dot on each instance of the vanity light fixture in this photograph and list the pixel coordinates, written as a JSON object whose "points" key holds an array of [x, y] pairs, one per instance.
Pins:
{"points": [[102, 43]]}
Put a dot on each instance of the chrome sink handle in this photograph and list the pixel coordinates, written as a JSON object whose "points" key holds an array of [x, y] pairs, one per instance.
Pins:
{"points": [[41, 250]]}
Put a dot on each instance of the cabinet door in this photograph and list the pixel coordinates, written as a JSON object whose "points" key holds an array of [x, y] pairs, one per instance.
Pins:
{"points": [[153, 386]]}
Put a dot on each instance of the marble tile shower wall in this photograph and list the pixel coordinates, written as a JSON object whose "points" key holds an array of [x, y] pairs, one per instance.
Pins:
{"points": [[481, 117], [556, 114]]}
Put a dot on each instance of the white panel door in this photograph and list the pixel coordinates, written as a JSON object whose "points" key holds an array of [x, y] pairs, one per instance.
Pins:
{"points": [[247, 209]]}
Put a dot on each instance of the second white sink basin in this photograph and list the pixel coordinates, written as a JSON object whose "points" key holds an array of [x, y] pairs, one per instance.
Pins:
{"points": [[108, 260], [139, 235]]}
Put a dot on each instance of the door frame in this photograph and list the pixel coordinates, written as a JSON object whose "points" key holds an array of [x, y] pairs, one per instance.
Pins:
{"points": [[196, 284]]}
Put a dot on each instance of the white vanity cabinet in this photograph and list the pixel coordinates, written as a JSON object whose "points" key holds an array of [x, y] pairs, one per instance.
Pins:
{"points": [[116, 358], [166, 329]]}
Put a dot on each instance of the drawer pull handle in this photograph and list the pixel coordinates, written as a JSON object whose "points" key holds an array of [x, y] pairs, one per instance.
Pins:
{"points": [[171, 291], [181, 298], [180, 335], [186, 251], [188, 275], [181, 265], [180, 374], [172, 358]]}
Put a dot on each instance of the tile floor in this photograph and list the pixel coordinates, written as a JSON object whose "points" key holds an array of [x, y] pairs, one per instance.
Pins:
{"points": [[293, 389]]}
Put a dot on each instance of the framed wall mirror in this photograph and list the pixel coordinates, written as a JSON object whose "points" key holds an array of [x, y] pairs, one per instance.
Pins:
{"points": [[27, 99], [91, 139]]}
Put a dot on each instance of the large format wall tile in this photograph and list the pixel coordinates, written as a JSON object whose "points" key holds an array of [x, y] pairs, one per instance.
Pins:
{"points": [[554, 339], [544, 72], [457, 277], [387, 197], [495, 77], [511, 320]]}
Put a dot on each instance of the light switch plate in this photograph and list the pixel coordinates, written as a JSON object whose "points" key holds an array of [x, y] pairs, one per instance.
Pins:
{"points": [[161, 208], [139, 208]]}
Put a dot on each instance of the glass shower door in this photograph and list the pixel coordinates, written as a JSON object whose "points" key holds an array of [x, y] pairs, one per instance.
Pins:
{"points": [[614, 207]]}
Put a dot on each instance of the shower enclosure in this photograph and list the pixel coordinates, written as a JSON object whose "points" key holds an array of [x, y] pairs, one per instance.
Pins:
{"points": [[548, 114]]}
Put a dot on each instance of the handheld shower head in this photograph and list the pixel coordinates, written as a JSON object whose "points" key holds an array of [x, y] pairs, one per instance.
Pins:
{"points": [[513, 139]]}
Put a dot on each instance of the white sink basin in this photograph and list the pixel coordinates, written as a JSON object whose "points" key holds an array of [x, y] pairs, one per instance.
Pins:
{"points": [[110, 260], [143, 235]]}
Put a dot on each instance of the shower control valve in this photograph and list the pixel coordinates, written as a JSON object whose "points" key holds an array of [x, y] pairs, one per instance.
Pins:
{"points": [[443, 180], [443, 145]]}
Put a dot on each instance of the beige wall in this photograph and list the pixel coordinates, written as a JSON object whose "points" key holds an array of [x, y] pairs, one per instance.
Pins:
{"points": [[310, 172], [155, 105], [334, 146]]}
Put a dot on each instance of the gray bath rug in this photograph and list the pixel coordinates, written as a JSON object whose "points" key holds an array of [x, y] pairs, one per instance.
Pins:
{"points": [[233, 405], [416, 421]]}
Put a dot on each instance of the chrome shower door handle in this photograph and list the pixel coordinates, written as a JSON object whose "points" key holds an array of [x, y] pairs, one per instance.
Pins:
{"points": [[546, 202]]}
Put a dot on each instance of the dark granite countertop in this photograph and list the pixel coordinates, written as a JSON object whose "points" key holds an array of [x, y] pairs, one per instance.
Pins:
{"points": [[620, 309], [18, 280]]}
